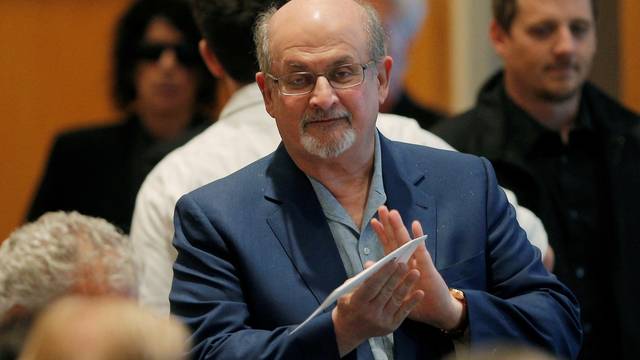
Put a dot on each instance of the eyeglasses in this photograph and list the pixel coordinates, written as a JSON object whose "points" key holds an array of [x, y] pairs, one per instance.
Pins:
{"points": [[186, 55], [303, 82]]}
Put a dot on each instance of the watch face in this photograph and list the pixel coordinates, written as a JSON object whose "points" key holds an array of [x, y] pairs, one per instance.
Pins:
{"points": [[457, 294]]}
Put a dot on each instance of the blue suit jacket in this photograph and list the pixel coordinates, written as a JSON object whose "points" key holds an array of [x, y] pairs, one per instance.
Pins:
{"points": [[256, 257]]}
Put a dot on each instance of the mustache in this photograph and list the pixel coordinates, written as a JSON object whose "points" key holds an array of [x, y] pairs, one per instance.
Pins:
{"points": [[322, 115], [562, 65]]}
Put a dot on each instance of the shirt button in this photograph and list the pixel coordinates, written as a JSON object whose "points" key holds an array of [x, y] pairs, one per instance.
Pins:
{"points": [[366, 251], [580, 272]]}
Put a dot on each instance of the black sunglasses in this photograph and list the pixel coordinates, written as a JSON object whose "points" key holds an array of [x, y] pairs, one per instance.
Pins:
{"points": [[186, 55]]}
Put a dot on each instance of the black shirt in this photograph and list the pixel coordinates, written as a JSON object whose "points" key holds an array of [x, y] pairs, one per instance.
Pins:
{"points": [[572, 201], [97, 171]]}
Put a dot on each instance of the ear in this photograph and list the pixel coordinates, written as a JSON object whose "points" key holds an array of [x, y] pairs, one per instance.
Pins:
{"points": [[499, 37], [265, 89], [383, 77], [210, 59]]}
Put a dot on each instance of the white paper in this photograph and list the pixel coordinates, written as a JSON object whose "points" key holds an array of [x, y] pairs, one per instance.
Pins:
{"points": [[402, 254]]}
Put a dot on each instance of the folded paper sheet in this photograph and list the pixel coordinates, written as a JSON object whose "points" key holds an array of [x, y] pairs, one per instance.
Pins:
{"points": [[402, 254]]}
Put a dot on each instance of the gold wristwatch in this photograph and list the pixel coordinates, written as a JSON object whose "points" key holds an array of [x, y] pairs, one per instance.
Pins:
{"points": [[464, 322]]}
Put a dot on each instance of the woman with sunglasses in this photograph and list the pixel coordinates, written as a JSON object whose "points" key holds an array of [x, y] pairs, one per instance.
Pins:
{"points": [[165, 92]]}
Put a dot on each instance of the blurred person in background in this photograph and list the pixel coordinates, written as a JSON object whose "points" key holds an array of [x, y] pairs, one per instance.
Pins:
{"points": [[166, 94], [57, 255], [402, 20], [571, 154], [63, 253], [104, 328]]}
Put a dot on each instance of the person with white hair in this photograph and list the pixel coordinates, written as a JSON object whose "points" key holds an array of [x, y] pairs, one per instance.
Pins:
{"points": [[63, 253], [108, 328]]}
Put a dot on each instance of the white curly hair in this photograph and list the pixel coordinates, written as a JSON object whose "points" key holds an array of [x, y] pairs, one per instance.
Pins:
{"points": [[62, 253]]}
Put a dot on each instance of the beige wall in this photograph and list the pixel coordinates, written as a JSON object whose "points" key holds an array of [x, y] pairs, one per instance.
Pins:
{"points": [[54, 73], [428, 74]]}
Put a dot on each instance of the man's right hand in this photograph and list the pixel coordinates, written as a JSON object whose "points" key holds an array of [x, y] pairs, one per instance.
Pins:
{"points": [[377, 307]]}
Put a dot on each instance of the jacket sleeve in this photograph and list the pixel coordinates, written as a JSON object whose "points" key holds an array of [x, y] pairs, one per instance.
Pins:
{"points": [[522, 302], [50, 195], [151, 234], [207, 294]]}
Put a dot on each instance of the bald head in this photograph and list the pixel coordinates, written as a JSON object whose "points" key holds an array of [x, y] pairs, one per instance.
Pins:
{"points": [[299, 21]]}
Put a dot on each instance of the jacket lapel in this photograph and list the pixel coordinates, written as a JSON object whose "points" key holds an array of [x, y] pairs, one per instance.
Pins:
{"points": [[301, 228], [402, 185]]}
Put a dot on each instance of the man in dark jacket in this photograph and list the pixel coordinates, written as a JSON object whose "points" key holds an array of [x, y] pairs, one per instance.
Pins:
{"points": [[571, 154]]}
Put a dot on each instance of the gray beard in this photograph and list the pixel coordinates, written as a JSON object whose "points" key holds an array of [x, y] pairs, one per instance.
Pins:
{"points": [[330, 149], [334, 146]]}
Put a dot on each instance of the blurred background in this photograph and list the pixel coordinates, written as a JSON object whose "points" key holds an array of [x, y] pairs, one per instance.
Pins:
{"points": [[55, 73]]}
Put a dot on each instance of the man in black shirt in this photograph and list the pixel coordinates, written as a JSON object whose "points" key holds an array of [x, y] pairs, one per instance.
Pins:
{"points": [[571, 154]]}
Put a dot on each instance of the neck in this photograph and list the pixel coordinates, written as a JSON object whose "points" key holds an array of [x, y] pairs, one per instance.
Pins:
{"points": [[557, 116], [347, 177], [165, 125]]}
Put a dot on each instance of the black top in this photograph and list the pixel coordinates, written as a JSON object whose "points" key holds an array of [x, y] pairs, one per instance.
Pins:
{"points": [[97, 171], [426, 117], [586, 193], [572, 177]]}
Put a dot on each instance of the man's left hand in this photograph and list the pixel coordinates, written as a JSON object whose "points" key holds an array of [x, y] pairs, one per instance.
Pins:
{"points": [[438, 308]]}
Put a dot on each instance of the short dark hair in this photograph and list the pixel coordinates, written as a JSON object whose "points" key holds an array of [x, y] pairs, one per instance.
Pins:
{"points": [[227, 25], [504, 11], [129, 34]]}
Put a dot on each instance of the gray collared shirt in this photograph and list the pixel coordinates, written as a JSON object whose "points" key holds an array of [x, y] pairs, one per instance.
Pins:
{"points": [[356, 246]]}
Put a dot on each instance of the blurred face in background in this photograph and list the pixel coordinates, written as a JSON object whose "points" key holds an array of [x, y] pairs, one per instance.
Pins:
{"points": [[402, 19], [165, 79], [549, 48]]}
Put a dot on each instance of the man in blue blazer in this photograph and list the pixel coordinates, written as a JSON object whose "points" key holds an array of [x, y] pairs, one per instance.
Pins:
{"points": [[259, 250]]}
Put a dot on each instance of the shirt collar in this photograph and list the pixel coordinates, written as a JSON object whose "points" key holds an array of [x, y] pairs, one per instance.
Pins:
{"points": [[376, 197], [525, 133]]}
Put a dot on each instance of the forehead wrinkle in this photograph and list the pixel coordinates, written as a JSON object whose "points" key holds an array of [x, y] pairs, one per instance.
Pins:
{"points": [[317, 58]]}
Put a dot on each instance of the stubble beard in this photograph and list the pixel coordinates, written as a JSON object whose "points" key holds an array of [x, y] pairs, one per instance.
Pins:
{"points": [[561, 96]]}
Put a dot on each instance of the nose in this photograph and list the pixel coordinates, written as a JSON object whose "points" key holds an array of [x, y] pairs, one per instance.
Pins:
{"points": [[168, 58], [565, 42], [323, 95]]}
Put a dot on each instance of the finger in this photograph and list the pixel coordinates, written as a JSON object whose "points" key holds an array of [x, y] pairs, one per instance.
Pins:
{"points": [[400, 232], [378, 228], [383, 214], [416, 229], [369, 289], [421, 254], [402, 290], [408, 305], [387, 245], [388, 290]]}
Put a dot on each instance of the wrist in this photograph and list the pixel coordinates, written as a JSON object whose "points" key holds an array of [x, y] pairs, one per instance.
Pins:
{"points": [[345, 338], [459, 322]]}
